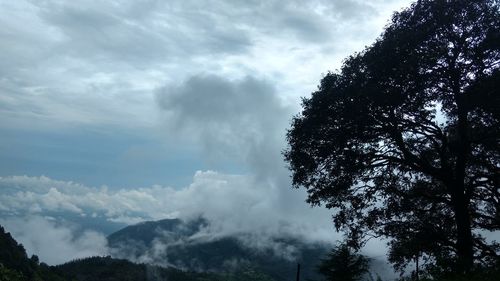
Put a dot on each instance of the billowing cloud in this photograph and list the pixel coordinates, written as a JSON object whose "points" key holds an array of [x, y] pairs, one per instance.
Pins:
{"points": [[54, 243], [242, 119]]}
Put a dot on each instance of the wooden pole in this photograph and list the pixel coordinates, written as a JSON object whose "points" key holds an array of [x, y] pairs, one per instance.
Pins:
{"points": [[416, 267], [298, 272]]}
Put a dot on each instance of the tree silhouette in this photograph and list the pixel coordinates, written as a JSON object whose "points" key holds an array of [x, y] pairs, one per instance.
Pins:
{"points": [[343, 264], [404, 141]]}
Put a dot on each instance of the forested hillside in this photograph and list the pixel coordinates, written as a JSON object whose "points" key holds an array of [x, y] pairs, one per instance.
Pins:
{"points": [[181, 244], [16, 266]]}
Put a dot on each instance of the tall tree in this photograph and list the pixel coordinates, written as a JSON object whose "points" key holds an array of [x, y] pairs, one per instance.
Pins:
{"points": [[404, 141]]}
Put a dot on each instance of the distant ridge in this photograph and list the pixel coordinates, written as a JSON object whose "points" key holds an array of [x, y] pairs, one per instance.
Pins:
{"points": [[175, 242]]}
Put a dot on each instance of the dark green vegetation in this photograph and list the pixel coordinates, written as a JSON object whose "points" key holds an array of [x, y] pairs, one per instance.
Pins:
{"points": [[109, 269], [404, 141], [344, 264], [182, 246]]}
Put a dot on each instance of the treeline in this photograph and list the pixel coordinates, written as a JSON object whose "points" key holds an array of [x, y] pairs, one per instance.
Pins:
{"points": [[110, 269]]}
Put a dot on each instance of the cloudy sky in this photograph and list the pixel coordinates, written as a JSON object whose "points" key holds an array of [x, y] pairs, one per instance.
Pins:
{"points": [[114, 112]]}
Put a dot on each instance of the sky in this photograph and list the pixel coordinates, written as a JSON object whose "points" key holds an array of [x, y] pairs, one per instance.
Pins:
{"points": [[116, 112]]}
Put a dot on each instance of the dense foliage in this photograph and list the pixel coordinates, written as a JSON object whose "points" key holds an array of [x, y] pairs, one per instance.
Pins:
{"points": [[343, 264], [404, 141], [110, 269]]}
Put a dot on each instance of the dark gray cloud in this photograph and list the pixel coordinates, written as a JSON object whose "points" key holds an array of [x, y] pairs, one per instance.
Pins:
{"points": [[242, 119], [114, 32], [352, 10]]}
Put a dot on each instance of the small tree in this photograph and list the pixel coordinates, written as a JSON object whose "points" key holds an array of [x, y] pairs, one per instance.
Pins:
{"points": [[343, 264]]}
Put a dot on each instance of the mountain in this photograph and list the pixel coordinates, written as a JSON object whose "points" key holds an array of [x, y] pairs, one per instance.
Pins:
{"points": [[188, 245], [16, 266]]}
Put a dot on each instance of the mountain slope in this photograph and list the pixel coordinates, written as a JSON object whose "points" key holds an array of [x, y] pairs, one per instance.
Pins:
{"points": [[186, 245]]}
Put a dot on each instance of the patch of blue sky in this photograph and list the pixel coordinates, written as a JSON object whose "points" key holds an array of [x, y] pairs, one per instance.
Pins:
{"points": [[104, 156]]}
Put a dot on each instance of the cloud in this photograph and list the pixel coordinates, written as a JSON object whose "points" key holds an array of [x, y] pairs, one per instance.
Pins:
{"points": [[232, 204], [119, 32], [240, 119], [54, 243], [99, 62]]}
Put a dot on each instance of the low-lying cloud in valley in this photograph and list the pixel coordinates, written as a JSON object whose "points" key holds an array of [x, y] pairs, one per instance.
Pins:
{"points": [[232, 204], [53, 242], [235, 206]]}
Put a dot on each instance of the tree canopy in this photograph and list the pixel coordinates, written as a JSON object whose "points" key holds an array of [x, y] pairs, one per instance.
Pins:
{"points": [[403, 142]]}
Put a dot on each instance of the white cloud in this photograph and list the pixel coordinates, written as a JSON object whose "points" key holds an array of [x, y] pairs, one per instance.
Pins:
{"points": [[54, 243], [232, 203]]}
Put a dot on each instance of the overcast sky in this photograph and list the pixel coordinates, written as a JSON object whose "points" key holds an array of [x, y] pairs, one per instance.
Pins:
{"points": [[131, 110]]}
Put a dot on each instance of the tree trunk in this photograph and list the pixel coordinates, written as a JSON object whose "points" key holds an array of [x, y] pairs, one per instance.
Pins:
{"points": [[464, 244], [460, 201]]}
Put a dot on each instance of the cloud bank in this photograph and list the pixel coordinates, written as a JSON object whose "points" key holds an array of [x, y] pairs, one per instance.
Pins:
{"points": [[232, 204]]}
